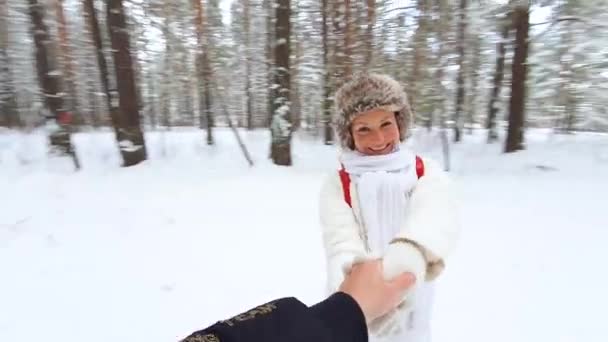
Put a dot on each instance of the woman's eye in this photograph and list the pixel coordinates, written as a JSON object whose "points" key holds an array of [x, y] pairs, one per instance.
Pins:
{"points": [[386, 124], [363, 130]]}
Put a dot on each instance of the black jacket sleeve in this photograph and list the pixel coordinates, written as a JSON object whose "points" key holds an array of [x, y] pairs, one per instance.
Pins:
{"points": [[338, 318]]}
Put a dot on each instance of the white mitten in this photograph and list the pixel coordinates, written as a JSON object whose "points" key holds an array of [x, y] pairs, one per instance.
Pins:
{"points": [[405, 257]]}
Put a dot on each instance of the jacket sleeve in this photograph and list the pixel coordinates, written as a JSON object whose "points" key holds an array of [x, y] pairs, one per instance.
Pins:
{"points": [[341, 239], [430, 230], [338, 318]]}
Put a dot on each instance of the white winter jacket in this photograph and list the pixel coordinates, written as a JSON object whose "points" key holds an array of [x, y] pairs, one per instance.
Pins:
{"points": [[425, 239]]}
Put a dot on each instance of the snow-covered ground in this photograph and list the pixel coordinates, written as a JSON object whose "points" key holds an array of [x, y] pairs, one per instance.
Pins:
{"points": [[156, 251]]}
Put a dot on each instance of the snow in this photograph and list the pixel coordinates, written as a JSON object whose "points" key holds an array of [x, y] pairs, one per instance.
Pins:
{"points": [[129, 146], [56, 72], [193, 235]]}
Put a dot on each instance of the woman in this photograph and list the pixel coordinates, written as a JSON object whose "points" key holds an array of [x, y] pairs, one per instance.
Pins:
{"points": [[385, 202]]}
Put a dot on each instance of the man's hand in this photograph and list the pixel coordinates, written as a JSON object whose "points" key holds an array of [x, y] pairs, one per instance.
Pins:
{"points": [[375, 295]]}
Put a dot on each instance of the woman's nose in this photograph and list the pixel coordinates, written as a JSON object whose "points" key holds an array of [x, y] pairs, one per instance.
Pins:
{"points": [[377, 137]]}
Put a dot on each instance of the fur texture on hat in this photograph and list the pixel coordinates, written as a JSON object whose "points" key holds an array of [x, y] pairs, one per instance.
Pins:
{"points": [[365, 92]]}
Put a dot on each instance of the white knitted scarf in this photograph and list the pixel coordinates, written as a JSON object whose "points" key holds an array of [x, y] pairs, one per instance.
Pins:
{"points": [[383, 184]]}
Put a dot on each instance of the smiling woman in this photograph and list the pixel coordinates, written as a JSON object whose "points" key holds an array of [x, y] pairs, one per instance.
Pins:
{"points": [[386, 202]]}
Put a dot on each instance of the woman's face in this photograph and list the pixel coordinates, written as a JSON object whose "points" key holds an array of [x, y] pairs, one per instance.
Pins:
{"points": [[375, 132]]}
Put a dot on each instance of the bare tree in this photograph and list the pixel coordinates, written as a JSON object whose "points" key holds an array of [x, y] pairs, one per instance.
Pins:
{"points": [[473, 69], [168, 72], [204, 71], [515, 132], [270, 38], [498, 79], [369, 32], [348, 39], [68, 63], [9, 114], [462, 24], [420, 47], [128, 153], [339, 42], [326, 105], [295, 61], [247, 47], [132, 142], [51, 84], [567, 99], [150, 74], [281, 129], [439, 106]]}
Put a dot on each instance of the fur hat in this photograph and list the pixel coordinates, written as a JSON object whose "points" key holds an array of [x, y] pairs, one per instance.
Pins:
{"points": [[365, 92]]}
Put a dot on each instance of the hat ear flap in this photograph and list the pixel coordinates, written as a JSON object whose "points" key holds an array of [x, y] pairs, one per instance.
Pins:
{"points": [[350, 140]]}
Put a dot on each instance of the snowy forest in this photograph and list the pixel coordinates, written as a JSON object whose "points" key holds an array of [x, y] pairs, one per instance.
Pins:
{"points": [[162, 161], [146, 65]]}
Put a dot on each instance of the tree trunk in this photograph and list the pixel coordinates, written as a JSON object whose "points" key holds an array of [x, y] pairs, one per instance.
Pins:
{"points": [[296, 103], [419, 56], [327, 128], [460, 79], [440, 99], [66, 52], [169, 74], [567, 100], [204, 70], [152, 100], [348, 40], [132, 145], [9, 114], [51, 84], [165, 88], [222, 101], [248, 92], [498, 78], [474, 77], [342, 40], [268, 9], [337, 48], [369, 32], [281, 126], [112, 98], [93, 112], [382, 60], [209, 117], [515, 138], [149, 78], [186, 112], [198, 23], [96, 106]]}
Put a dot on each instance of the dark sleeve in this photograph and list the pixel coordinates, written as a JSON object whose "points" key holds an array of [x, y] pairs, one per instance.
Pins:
{"points": [[338, 318], [342, 317]]}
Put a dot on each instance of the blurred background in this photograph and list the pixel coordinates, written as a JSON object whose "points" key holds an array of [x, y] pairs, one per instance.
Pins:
{"points": [[161, 160]]}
